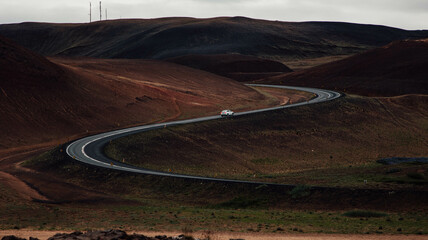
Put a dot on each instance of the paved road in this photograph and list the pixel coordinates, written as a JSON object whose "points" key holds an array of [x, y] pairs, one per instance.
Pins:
{"points": [[89, 150]]}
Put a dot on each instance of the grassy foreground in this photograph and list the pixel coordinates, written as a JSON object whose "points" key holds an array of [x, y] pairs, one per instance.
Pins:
{"points": [[137, 202], [147, 215]]}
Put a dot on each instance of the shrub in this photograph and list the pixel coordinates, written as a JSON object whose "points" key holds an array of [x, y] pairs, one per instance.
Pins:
{"points": [[417, 176], [300, 191], [244, 202], [364, 214]]}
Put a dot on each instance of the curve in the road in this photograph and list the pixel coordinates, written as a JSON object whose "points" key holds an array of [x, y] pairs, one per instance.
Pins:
{"points": [[89, 150]]}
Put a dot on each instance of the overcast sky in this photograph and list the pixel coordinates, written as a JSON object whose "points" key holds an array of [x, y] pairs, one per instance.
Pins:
{"points": [[407, 14]]}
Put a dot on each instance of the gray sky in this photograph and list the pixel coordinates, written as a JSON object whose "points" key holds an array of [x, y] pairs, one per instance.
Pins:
{"points": [[407, 14]]}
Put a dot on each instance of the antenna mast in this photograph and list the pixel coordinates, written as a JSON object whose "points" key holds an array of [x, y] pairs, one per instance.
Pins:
{"points": [[100, 12], [90, 12], [106, 13]]}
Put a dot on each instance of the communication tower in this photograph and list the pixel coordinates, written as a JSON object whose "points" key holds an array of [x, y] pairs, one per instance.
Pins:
{"points": [[90, 12]]}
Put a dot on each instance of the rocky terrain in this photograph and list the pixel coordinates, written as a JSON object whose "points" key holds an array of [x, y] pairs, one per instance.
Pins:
{"points": [[103, 235]]}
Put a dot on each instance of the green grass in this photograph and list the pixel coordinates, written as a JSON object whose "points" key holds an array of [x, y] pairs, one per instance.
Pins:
{"points": [[405, 181], [157, 204], [51, 159], [372, 175], [416, 176], [219, 218], [300, 191], [245, 203]]}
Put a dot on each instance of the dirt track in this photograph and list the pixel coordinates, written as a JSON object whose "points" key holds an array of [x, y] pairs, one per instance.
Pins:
{"points": [[19, 186]]}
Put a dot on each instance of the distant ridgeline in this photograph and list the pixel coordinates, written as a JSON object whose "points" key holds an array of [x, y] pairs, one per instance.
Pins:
{"points": [[173, 37]]}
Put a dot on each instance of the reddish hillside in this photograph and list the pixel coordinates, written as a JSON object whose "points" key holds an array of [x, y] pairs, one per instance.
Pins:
{"points": [[239, 67], [43, 101], [396, 69]]}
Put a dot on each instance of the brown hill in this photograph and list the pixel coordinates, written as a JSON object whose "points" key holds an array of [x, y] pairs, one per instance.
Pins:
{"points": [[42, 100], [172, 37], [21, 66], [395, 69], [235, 66]]}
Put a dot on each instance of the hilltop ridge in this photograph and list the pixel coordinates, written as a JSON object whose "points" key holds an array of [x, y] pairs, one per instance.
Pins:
{"points": [[171, 37]]}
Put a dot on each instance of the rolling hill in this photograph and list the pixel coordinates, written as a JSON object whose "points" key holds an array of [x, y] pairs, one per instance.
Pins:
{"points": [[234, 66], [173, 37], [45, 100], [396, 69]]}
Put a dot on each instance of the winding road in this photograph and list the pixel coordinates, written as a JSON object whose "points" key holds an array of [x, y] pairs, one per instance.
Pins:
{"points": [[89, 150]]}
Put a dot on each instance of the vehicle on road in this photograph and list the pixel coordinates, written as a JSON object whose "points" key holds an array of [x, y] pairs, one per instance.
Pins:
{"points": [[227, 113], [82, 151]]}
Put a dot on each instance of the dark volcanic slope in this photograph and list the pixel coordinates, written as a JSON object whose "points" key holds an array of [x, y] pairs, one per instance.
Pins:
{"points": [[396, 69], [26, 68], [235, 66], [35, 96], [172, 37]]}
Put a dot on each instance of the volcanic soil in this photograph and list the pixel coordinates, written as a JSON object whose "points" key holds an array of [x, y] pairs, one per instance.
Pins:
{"points": [[235, 66], [47, 102], [396, 69], [53, 100]]}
